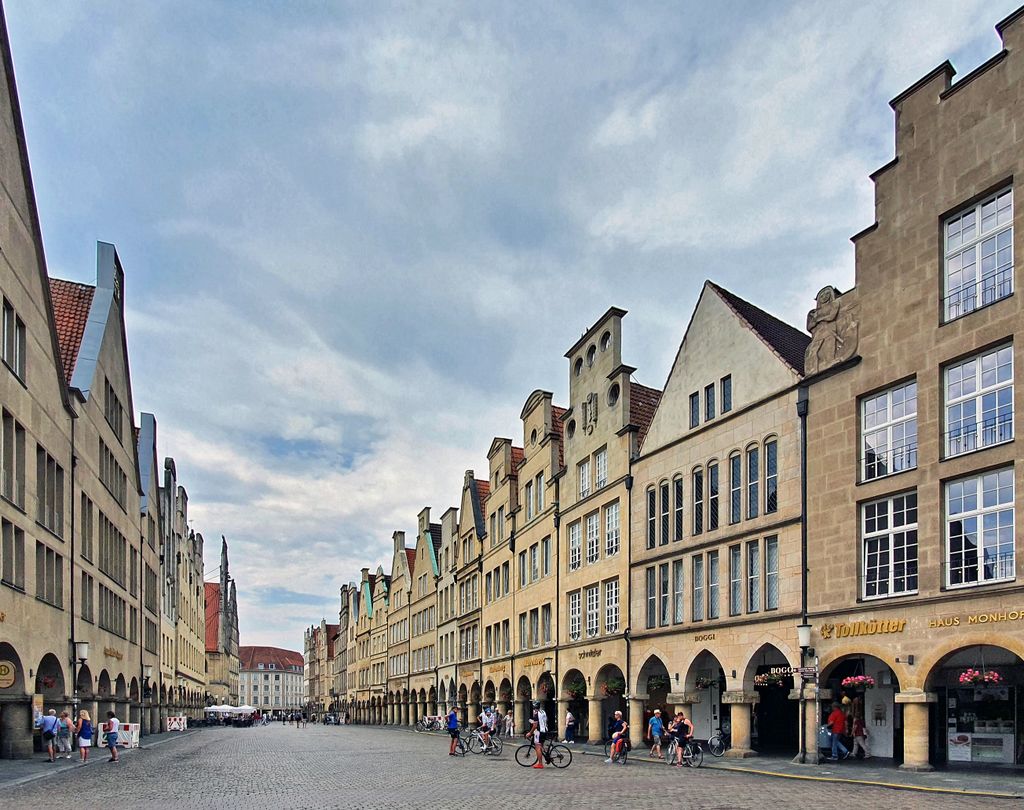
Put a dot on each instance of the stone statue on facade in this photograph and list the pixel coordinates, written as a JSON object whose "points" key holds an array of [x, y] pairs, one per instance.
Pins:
{"points": [[834, 330], [589, 413]]}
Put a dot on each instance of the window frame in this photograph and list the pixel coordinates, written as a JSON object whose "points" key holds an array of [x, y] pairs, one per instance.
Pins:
{"points": [[977, 398], [888, 533], [979, 514], [1002, 282]]}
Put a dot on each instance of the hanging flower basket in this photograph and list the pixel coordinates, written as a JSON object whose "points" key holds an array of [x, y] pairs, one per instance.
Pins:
{"points": [[656, 682], [859, 682], [577, 689], [703, 683], [505, 695], [977, 676], [769, 679], [614, 686]]}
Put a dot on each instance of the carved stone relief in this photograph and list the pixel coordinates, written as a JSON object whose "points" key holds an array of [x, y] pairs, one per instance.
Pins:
{"points": [[834, 328]]}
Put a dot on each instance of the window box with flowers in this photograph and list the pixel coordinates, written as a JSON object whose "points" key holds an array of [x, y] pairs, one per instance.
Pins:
{"points": [[703, 683], [858, 682], [769, 679], [576, 689], [614, 686]]}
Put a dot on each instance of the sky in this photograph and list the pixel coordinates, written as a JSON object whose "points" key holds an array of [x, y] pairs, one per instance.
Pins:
{"points": [[357, 236]]}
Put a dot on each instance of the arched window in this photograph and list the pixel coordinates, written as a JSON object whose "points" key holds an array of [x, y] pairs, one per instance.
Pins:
{"points": [[753, 479], [677, 506], [652, 517], [697, 493], [664, 512], [712, 512], [771, 475], [735, 487]]}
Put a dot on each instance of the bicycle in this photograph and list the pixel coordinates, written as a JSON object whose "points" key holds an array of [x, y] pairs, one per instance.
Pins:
{"points": [[554, 754], [718, 743], [476, 743], [621, 756], [693, 754]]}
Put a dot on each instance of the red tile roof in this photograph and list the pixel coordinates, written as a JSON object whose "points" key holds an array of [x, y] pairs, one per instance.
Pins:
{"points": [[518, 456], [212, 615], [483, 490], [788, 342], [410, 558], [71, 303], [557, 426], [249, 657], [642, 403]]}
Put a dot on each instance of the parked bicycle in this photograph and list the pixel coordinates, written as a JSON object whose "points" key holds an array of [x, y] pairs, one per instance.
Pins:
{"points": [[478, 746], [719, 743], [554, 754], [693, 754], [428, 724]]}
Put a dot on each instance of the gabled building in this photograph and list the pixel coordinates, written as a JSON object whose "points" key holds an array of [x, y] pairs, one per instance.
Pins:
{"points": [[715, 528], [151, 531], [318, 667], [423, 615], [222, 635], [448, 611], [378, 662], [468, 574], [271, 679], [606, 422], [400, 708]]}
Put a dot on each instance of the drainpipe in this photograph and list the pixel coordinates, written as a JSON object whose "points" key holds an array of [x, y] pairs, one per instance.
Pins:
{"points": [[74, 651], [802, 405], [558, 590], [629, 564]]}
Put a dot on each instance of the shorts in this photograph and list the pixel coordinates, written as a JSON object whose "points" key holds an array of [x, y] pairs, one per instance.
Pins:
{"points": [[453, 733], [537, 737], [112, 739], [85, 742]]}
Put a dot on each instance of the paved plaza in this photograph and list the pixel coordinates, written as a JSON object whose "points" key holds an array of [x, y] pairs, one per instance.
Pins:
{"points": [[358, 767]]}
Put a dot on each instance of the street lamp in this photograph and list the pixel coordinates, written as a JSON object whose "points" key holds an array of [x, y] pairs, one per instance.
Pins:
{"points": [[81, 655], [803, 633]]}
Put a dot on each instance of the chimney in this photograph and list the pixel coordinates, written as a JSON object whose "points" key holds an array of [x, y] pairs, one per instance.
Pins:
{"points": [[399, 540]]}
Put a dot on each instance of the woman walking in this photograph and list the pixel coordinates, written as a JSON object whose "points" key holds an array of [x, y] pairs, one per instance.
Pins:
{"points": [[84, 731], [113, 726], [64, 735]]}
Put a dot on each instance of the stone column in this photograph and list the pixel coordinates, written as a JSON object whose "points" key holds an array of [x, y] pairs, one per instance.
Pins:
{"points": [[422, 709], [522, 716], [474, 711], [595, 722], [563, 707], [915, 729], [741, 704], [16, 729], [636, 720], [813, 721], [683, 702]]}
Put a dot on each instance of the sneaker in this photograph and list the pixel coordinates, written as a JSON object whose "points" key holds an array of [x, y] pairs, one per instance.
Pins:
{"points": [[539, 765], [846, 755], [608, 762]]}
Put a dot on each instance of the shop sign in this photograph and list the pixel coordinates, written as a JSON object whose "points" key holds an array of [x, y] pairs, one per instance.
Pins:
{"points": [[874, 627], [978, 618], [704, 637], [591, 653], [110, 652], [467, 673], [535, 661], [7, 672], [496, 668]]}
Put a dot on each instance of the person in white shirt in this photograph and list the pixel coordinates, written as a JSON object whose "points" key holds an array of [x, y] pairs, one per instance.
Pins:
{"points": [[113, 726]]}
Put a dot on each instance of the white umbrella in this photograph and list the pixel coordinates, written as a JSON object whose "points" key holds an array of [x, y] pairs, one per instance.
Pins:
{"points": [[244, 709]]}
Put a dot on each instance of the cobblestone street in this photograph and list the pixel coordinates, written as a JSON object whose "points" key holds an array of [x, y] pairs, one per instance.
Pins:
{"points": [[357, 767]]}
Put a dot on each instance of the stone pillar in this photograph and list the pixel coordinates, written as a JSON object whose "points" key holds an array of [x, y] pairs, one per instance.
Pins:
{"points": [[474, 711], [16, 729], [682, 702], [423, 709], [595, 722], [915, 729], [814, 698], [636, 720], [522, 717], [741, 704]]}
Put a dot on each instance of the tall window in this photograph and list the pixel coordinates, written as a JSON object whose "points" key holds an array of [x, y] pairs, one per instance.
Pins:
{"points": [[601, 468], [545, 554], [979, 401], [753, 473], [697, 584], [979, 528], [12, 555], [501, 524], [111, 474], [712, 584], [726, 393], [88, 604], [523, 638], [545, 622], [697, 493], [112, 410], [664, 513], [583, 474], [49, 575], [735, 581], [528, 498], [504, 577], [593, 610], [575, 551], [753, 577], [14, 344], [771, 573], [677, 591], [709, 402], [694, 409], [771, 477], [49, 492], [538, 492], [735, 488], [712, 496], [611, 606], [663, 594], [889, 431], [12, 456], [677, 507], [979, 255], [534, 627], [574, 615], [523, 574], [652, 597], [652, 518], [611, 529], [890, 546], [593, 538], [534, 563]]}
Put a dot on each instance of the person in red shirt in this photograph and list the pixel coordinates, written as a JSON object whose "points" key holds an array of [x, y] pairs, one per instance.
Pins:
{"points": [[837, 725]]}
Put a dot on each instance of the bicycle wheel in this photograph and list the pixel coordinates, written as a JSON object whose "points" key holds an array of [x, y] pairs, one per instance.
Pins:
{"points": [[460, 748], [716, 745], [526, 755], [670, 753], [560, 756], [496, 746], [419, 726], [607, 749], [475, 744], [693, 756]]}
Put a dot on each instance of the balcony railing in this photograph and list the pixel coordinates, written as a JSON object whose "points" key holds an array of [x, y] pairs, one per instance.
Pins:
{"points": [[994, 567], [976, 435], [879, 463], [980, 293]]}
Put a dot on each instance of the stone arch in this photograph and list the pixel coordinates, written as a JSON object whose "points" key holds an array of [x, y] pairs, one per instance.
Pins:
{"points": [[574, 689], [133, 690], [763, 660], [163, 695], [939, 654], [120, 687], [50, 679], [654, 680], [84, 685], [609, 686], [103, 685], [489, 692], [524, 689], [705, 682], [453, 693], [877, 705], [775, 718], [474, 692]]}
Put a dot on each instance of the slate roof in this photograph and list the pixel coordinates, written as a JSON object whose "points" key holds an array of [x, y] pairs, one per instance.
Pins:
{"points": [[788, 342], [249, 657], [481, 491], [435, 537], [71, 303], [212, 615], [643, 401]]}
